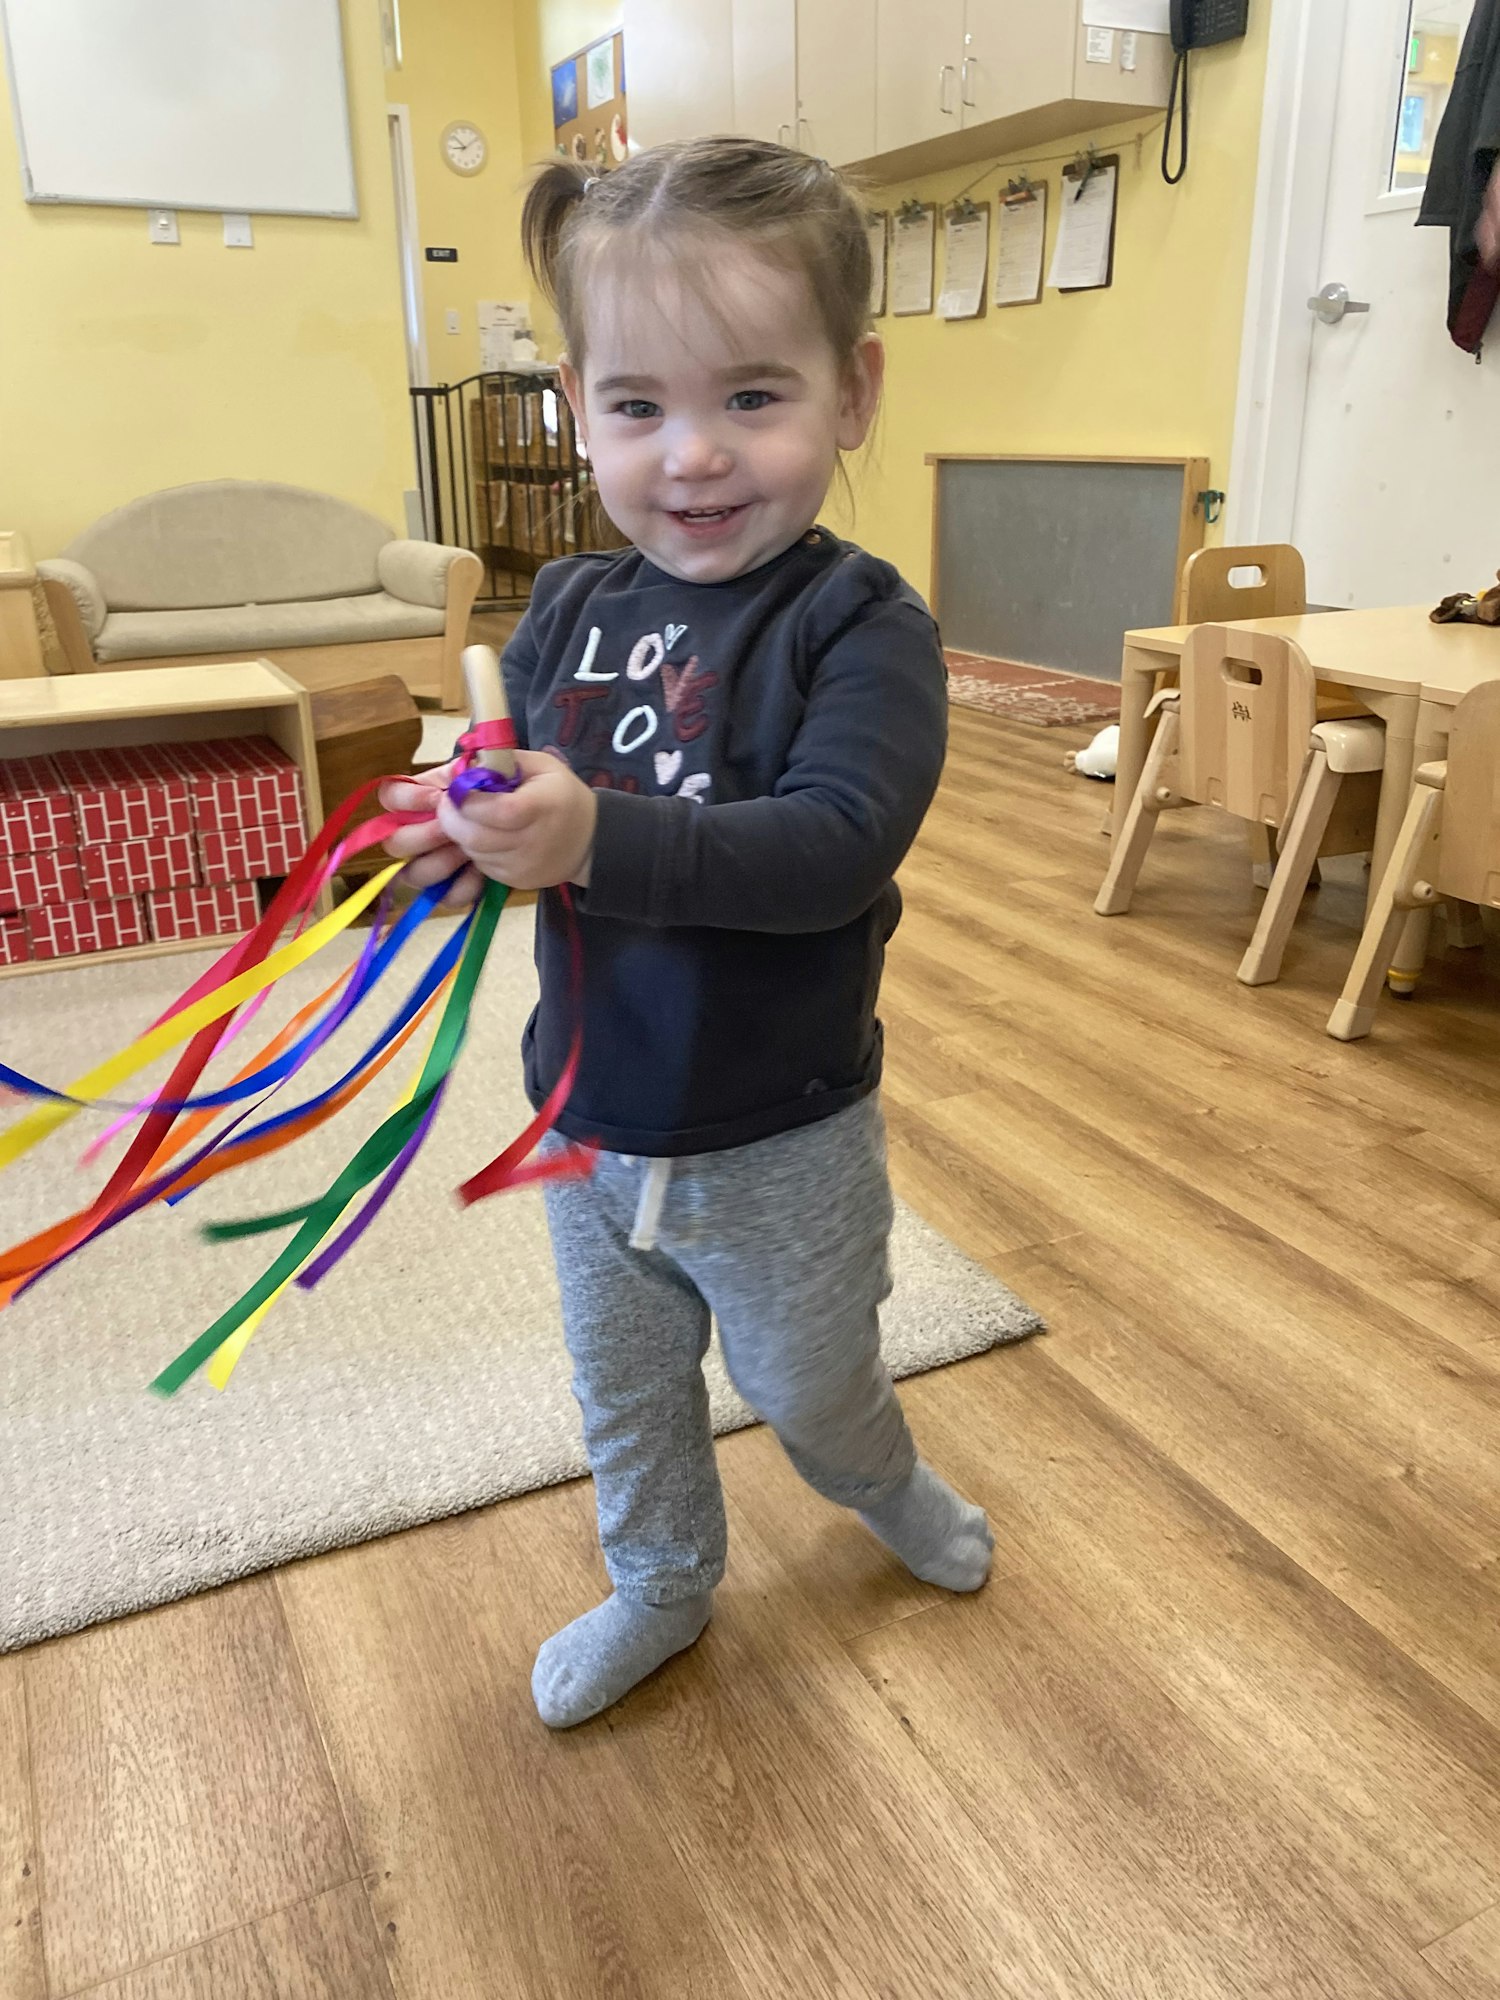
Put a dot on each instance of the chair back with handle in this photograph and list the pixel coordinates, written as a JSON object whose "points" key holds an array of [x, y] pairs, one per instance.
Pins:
{"points": [[1468, 858], [1249, 702], [1265, 581]]}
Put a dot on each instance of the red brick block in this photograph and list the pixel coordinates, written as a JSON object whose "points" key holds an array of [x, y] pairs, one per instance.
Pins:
{"points": [[36, 810], [67, 930], [176, 914]]}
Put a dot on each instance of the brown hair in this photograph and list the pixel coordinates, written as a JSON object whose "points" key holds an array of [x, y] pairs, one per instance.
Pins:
{"points": [[791, 208]]}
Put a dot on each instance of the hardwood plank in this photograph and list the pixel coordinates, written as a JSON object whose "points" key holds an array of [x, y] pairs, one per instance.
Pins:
{"points": [[224, 1968], [1469, 1958], [22, 1975], [1338, 1427], [157, 1744], [829, 1859], [326, 1949], [499, 1858], [1160, 1855], [1374, 1766]]}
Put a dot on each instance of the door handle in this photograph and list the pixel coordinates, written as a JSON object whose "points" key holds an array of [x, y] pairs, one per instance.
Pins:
{"points": [[944, 106], [783, 133], [1333, 302], [963, 83]]}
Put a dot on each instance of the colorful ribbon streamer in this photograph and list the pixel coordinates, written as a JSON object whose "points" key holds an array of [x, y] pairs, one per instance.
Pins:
{"points": [[205, 1018]]}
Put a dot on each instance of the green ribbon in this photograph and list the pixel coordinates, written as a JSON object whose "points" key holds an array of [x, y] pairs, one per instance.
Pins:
{"points": [[372, 1159]]}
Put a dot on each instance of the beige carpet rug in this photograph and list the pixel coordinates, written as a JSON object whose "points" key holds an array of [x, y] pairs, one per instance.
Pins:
{"points": [[427, 1375]]}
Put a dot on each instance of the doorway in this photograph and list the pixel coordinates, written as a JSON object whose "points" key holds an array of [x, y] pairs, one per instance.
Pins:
{"points": [[408, 241], [1363, 434]]}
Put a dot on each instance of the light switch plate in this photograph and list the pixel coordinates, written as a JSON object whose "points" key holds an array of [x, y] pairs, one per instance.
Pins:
{"points": [[450, 319], [238, 235], [163, 225]]}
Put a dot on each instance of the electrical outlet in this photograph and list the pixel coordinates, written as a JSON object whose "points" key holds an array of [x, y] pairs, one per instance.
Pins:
{"points": [[238, 235], [450, 319], [163, 225]]}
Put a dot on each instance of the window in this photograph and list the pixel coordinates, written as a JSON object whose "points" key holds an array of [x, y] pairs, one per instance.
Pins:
{"points": [[1429, 56]]}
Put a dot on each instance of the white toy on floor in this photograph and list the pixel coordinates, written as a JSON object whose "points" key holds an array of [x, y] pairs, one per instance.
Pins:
{"points": [[1099, 758]]}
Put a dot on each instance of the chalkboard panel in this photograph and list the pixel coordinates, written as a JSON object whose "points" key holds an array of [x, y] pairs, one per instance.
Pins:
{"points": [[1051, 561]]}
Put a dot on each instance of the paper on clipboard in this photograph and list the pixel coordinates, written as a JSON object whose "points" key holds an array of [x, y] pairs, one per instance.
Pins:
{"points": [[966, 251], [1085, 232], [1019, 249], [911, 262]]}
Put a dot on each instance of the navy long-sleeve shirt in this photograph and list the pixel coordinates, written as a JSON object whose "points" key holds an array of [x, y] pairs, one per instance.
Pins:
{"points": [[764, 751]]}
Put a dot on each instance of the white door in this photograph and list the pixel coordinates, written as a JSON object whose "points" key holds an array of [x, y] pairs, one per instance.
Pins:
{"points": [[1388, 479]]}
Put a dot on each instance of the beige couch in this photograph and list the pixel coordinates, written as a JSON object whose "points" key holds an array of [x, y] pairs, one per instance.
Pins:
{"points": [[239, 567]]}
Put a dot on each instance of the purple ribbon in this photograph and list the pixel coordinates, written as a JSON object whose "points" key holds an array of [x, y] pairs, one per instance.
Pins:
{"points": [[479, 778]]}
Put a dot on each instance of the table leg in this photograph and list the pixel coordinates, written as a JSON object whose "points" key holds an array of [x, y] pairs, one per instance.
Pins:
{"points": [[1138, 671], [1411, 952], [1400, 714]]}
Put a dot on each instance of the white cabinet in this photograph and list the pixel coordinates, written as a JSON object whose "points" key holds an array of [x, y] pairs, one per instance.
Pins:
{"points": [[918, 57], [836, 79], [764, 66], [679, 69], [1014, 56]]}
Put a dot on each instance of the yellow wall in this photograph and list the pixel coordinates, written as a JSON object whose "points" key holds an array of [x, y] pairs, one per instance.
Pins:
{"points": [[129, 366], [1146, 368], [459, 62]]}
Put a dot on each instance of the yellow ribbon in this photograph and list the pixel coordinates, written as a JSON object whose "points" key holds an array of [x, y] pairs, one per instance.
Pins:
{"points": [[109, 1075]]}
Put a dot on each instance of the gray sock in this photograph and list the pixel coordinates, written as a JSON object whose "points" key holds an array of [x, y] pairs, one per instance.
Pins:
{"points": [[939, 1537], [586, 1667]]}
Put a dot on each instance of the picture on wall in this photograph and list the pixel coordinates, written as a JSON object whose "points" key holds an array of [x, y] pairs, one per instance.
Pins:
{"points": [[564, 93], [589, 118]]}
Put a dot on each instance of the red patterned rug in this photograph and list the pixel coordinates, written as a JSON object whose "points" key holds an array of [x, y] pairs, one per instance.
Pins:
{"points": [[1036, 695]]}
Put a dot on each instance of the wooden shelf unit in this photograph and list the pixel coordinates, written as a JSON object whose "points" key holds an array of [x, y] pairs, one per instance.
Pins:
{"points": [[533, 495], [159, 705]]}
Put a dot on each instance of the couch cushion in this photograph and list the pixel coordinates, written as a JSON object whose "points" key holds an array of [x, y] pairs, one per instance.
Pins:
{"points": [[230, 541], [264, 628]]}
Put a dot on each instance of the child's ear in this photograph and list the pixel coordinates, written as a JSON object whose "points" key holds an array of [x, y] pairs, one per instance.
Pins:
{"points": [[572, 388], [860, 396]]}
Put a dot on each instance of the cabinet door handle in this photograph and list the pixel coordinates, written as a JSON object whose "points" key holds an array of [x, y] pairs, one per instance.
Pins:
{"points": [[945, 71], [806, 145], [963, 82], [783, 131]]}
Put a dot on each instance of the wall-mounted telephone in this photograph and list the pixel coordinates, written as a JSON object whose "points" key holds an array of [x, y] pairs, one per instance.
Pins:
{"points": [[1198, 24], [1194, 24]]}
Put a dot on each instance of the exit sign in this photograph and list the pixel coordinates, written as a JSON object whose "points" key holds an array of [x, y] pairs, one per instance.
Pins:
{"points": [[441, 253]]}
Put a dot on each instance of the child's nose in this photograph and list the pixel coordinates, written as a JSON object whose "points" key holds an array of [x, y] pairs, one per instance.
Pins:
{"points": [[695, 452]]}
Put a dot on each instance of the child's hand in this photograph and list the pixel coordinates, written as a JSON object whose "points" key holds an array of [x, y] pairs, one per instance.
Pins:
{"points": [[431, 855], [532, 838]]}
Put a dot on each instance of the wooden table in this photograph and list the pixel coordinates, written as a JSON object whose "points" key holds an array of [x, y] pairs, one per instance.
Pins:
{"points": [[1403, 668], [158, 705]]}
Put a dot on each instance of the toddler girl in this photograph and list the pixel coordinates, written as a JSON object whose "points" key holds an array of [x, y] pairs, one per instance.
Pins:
{"points": [[731, 732]]}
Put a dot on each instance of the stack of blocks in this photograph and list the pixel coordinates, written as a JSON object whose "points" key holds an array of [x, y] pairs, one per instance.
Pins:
{"points": [[100, 849]]}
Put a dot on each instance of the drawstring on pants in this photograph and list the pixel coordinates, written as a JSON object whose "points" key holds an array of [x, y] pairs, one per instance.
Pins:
{"points": [[648, 1208]]}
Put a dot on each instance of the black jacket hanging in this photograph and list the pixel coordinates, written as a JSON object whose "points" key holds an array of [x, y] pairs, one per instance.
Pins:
{"points": [[1463, 158]]}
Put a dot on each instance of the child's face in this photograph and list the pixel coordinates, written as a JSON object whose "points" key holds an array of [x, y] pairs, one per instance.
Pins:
{"points": [[714, 430]]}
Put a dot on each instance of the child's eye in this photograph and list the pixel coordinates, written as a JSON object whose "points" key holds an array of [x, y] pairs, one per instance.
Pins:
{"points": [[751, 399], [637, 407]]}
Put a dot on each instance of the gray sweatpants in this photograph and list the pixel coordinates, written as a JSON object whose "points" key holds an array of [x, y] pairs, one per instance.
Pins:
{"points": [[783, 1242]]}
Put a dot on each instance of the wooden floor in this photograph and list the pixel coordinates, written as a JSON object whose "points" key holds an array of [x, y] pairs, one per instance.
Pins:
{"points": [[1226, 1721]]}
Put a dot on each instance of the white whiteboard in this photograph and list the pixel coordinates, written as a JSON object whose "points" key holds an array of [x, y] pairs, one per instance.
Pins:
{"points": [[221, 104]]}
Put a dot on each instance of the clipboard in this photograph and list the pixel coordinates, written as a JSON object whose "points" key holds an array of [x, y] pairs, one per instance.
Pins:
{"points": [[913, 228], [878, 229], [1073, 177], [1025, 200], [974, 218]]}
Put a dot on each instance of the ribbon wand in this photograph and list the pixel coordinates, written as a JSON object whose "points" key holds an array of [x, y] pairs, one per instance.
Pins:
{"points": [[481, 665]]}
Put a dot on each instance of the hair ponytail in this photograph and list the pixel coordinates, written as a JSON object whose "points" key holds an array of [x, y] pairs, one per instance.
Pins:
{"points": [[551, 201]]}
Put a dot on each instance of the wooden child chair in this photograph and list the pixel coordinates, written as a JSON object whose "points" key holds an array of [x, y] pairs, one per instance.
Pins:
{"points": [[1246, 728], [1220, 585], [1448, 849]]}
